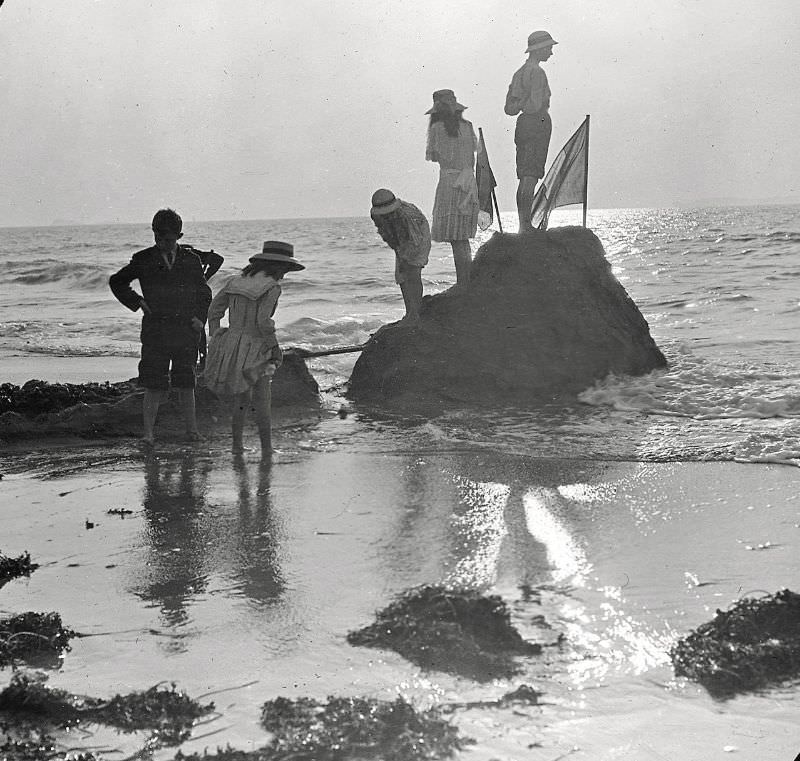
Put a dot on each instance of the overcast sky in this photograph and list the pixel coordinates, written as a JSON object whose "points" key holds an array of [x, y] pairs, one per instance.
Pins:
{"points": [[245, 109]]}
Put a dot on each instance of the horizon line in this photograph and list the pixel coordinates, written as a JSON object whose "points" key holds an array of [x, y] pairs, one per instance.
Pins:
{"points": [[707, 205]]}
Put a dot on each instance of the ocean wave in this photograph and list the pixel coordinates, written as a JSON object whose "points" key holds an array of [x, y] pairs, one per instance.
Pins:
{"points": [[335, 285], [314, 334], [779, 447], [694, 388], [741, 237], [737, 297], [85, 276], [82, 351]]}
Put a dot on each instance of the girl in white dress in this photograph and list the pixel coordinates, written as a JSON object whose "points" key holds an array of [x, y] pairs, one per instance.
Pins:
{"points": [[243, 357], [452, 145]]}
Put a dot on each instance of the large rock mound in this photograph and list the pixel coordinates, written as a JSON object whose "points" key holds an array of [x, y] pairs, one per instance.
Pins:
{"points": [[542, 318]]}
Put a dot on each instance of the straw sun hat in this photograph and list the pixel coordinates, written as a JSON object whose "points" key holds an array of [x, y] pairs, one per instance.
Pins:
{"points": [[539, 40], [444, 100], [278, 251], [384, 202]]}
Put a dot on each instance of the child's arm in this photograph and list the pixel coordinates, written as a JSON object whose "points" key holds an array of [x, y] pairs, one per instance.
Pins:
{"points": [[219, 305], [120, 283], [210, 260]]}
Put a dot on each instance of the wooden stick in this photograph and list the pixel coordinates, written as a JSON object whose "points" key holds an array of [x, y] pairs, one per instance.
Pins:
{"points": [[324, 352]]}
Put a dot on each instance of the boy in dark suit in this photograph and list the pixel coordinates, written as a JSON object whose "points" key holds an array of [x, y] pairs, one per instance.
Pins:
{"points": [[174, 302]]}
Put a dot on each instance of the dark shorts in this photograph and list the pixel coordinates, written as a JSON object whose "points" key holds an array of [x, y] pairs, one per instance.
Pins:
{"points": [[532, 138], [154, 367]]}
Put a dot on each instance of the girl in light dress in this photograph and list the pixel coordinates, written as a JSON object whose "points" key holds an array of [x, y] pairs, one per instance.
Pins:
{"points": [[452, 145], [243, 357]]}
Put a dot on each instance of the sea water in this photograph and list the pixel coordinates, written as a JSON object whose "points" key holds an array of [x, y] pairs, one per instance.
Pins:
{"points": [[718, 287]]}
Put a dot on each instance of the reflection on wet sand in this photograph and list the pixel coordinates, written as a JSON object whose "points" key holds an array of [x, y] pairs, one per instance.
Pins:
{"points": [[498, 531], [516, 527], [565, 555], [218, 552], [255, 559], [478, 529], [174, 504], [196, 548]]}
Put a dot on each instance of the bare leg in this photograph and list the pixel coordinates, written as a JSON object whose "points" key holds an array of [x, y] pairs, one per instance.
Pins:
{"points": [[150, 404], [411, 289], [186, 401], [240, 404], [262, 401], [462, 256], [525, 193]]}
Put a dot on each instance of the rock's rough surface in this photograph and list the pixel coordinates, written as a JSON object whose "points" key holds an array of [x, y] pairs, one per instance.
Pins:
{"points": [[542, 319]]}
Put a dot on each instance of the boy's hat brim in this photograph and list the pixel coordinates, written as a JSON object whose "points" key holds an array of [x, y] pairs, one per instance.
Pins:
{"points": [[539, 40]]}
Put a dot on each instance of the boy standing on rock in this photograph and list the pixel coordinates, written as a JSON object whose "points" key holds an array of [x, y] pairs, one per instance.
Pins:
{"points": [[174, 302], [529, 96], [405, 229]]}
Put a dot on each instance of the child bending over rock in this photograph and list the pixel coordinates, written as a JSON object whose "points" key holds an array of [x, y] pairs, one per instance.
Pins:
{"points": [[405, 229]]}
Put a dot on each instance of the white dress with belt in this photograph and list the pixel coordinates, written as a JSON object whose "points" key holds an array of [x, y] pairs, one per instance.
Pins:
{"points": [[247, 349]]}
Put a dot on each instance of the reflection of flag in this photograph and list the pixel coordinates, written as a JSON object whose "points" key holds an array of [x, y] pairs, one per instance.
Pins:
{"points": [[486, 184], [565, 183]]}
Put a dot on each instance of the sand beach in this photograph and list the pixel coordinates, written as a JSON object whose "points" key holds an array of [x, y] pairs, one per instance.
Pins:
{"points": [[240, 580]]}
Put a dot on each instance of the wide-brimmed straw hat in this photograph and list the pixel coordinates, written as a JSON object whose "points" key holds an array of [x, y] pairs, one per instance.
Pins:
{"points": [[278, 251], [444, 100], [539, 40], [384, 202]]}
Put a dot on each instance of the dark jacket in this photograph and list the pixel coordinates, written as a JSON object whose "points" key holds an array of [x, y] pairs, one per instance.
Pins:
{"points": [[174, 296]]}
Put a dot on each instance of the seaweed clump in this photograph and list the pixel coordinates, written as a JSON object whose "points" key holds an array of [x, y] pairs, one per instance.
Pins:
{"points": [[36, 638], [356, 728], [751, 646], [42, 748], [37, 397], [12, 568], [347, 729], [167, 713], [455, 631]]}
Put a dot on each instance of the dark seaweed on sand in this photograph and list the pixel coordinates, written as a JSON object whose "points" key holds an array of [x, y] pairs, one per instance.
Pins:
{"points": [[37, 397], [36, 638], [753, 645], [12, 568], [167, 713], [357, 728], [42, 748], [455, 631], [347, 729]]}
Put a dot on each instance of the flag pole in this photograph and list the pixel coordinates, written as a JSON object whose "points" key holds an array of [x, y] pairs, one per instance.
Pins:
{"points": [[586, 173], [491, 189], [497, 211]]}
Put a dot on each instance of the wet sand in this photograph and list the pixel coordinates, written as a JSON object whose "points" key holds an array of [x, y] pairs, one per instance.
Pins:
{"points": [[234, 578], [58, 369]]}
